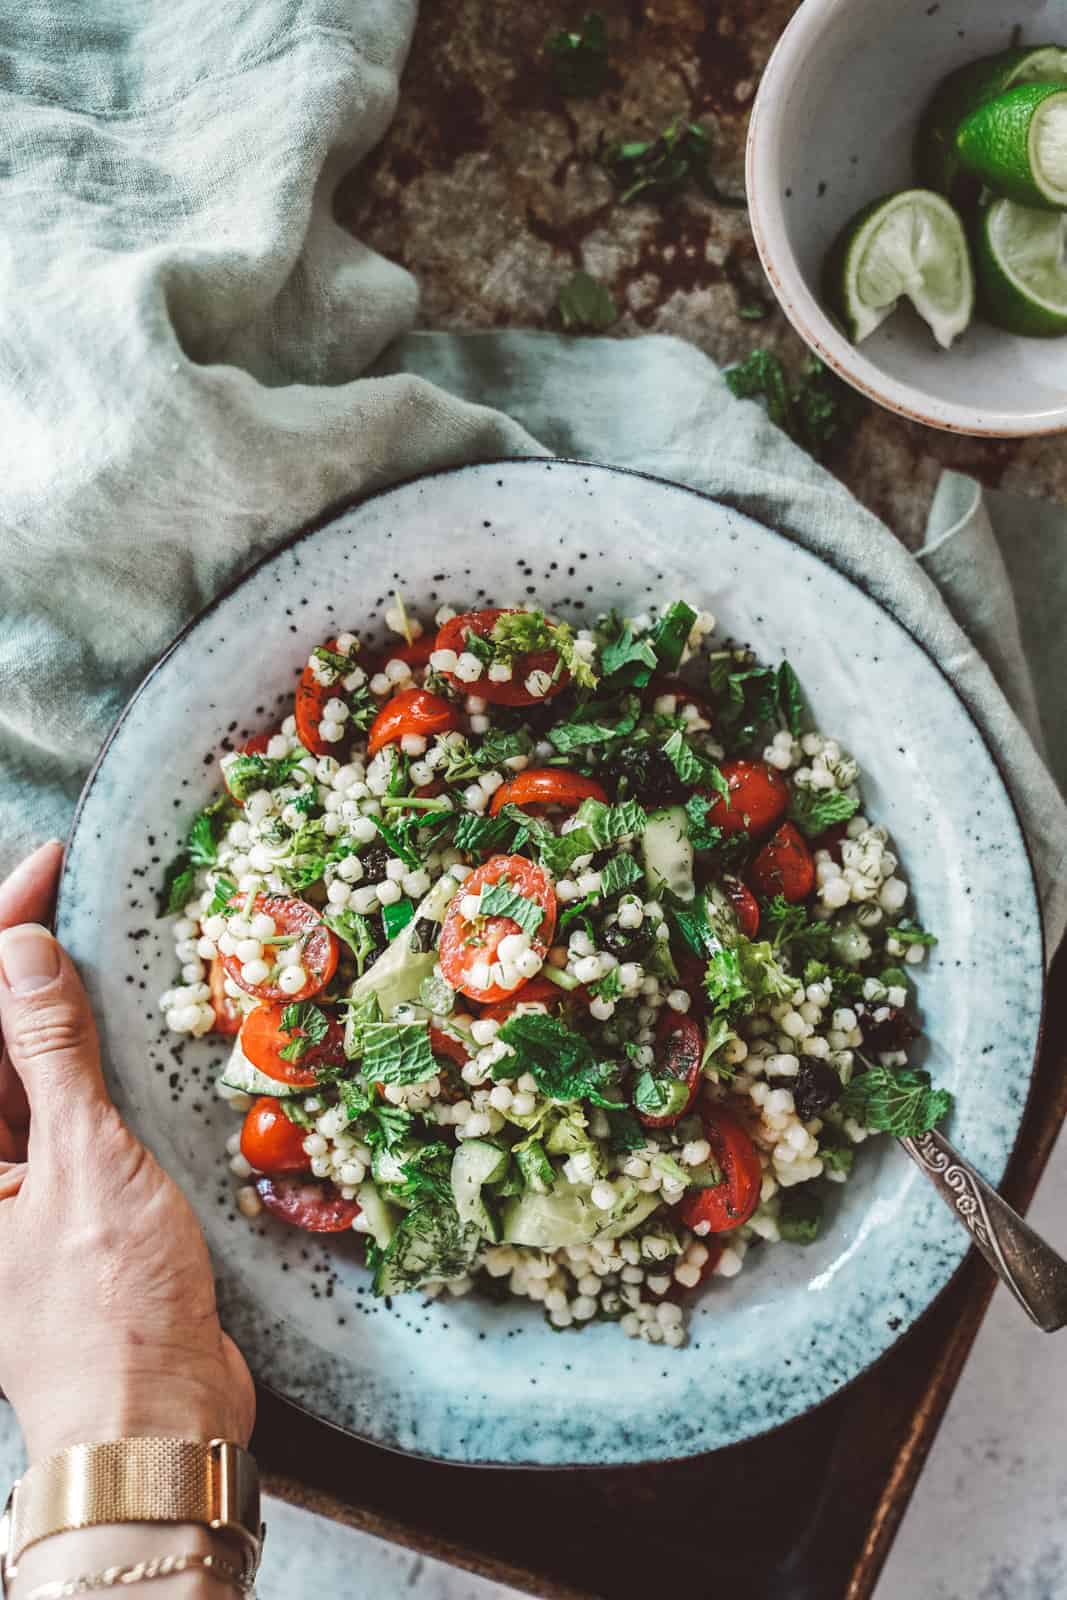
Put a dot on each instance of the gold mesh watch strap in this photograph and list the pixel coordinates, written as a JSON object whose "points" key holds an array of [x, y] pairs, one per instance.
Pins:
{"points": [[138, 1480]]}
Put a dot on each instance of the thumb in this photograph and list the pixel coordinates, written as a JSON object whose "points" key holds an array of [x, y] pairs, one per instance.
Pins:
{"points": [[48, 1030]]}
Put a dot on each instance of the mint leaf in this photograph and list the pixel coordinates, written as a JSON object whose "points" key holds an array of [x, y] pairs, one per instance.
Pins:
{"points": [[671, 634], [751, 693], [790, 700], [499, 746], [628, 659], [658, 1094], [626, 1132], [800, 1214], [597, 722], [397, 1052], [605, 824], [815, 810], [694, 769], [359, 1016], [703, 835], [354, 931], [560, 1061], [619, 873], [223, 893], [896, 1100], [308, 1024], [475, 834], [501, 900]]}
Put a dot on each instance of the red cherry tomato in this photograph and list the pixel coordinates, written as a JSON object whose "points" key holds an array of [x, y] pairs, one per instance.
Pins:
{"points": [[679, 1047], [311, 698], [319, 948], [759, 797], [411, 711], [464, 944], [546, 786], [454, 1055], [682, 691], [270, 1142], [416, 654], [732, 1201], [453, 636], [535, 991], [784, 866], [315, 1207], [745, 906], [228, 1013], [263, 1038]]}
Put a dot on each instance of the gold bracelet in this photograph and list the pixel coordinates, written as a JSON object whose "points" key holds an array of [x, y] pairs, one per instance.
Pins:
{"points": [[144, 1572]]}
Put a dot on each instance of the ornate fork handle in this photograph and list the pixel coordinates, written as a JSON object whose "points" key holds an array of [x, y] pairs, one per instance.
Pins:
{"points": [[1032, 1270]]}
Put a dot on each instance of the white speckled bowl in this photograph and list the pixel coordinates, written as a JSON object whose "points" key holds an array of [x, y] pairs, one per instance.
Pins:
{"points": [[467, 1380], [831, 129]]}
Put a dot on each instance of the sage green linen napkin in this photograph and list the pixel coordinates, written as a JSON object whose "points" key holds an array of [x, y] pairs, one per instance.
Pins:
{"points": [[194, 361]]}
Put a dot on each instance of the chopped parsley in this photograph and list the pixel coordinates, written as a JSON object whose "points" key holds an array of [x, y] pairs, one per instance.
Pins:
{"points": [[585, 302], [248, 773], [660, 167], [739, 977], [201, 849], [910, 933], [815, 810], [815, 412], [578, 58], [520, 633]]}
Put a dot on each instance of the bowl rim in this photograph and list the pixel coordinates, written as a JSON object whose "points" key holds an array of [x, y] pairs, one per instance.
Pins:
{"points": [[801, 306], [352, 502]]}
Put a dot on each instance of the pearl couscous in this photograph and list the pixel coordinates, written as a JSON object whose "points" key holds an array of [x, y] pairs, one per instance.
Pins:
{"points": [[564, 962]]}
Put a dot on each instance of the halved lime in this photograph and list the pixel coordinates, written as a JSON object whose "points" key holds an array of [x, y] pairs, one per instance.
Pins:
{"points": [[1017, 144], [937, 162], [1020, 257], [909, 245]]}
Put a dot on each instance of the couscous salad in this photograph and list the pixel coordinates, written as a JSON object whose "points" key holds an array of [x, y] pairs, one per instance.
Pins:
{"points": [[559, 963]]}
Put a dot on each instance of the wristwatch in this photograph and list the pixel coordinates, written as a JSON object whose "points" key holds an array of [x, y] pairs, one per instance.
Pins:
{"points": [[135, 1480]]}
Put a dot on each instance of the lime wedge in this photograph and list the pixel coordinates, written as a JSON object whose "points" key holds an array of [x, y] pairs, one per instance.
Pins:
{"points": [[910, 245], [937, 162], [1017, 144], [1020, 258]]}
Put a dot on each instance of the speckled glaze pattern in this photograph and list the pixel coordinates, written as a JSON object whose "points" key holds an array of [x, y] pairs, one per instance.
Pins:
{"points": [[475, 1382]]}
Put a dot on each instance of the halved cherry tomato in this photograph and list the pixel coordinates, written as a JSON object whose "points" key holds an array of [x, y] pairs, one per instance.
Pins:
{"points": [[311, 698], [679, 1047], [745, 904], [683, 692], [453, 636], [784, 866], [416, 654], [256, 746], [759, 797], [732, 1201], [315, 1207], [546, 786], [263, 1038], [411, 711], [463, 944], [319, 948], [228, 1013], [454, 1053], [270, 1142], [535, 991]]}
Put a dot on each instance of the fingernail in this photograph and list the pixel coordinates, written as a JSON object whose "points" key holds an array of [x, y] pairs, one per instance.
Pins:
{"points": [[29, 958]]}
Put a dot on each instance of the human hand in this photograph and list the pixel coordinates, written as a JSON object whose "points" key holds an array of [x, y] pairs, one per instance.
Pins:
{"points": [[109, 1325]]}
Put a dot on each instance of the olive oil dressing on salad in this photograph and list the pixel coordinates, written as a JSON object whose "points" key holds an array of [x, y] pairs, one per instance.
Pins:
{"points": [[559, 963]]}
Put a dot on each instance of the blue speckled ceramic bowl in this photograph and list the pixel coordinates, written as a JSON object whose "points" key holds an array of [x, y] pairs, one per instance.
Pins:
{"points": [[475, 1382]]}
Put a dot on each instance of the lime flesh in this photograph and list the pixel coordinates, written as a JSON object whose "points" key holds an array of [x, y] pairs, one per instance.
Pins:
{"points": [[911, 246], [1021, 260]]}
